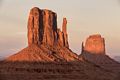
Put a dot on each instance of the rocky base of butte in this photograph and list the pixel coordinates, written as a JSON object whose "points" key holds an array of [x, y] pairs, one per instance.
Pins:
{"points": [[48, 57]]}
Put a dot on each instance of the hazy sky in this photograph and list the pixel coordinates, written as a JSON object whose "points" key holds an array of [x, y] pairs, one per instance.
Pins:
{"points": [[85, 17]]}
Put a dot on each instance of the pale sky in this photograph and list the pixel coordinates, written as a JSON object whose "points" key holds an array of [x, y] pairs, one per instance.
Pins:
{"points": [[85, 17]]}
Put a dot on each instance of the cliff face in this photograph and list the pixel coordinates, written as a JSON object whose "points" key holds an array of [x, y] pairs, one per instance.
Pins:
{"points": [[34, 25], [95, 44], [42, 29]]}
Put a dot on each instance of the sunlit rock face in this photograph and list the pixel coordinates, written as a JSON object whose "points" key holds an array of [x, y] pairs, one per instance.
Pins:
{"points": [[62, 35], [64, 30], [34, 26], [42, 28], [95, 44]]}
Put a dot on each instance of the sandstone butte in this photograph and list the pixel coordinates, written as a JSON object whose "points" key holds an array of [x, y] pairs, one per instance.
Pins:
{"points": [[94, 44], [93, 50], [47, 43]]}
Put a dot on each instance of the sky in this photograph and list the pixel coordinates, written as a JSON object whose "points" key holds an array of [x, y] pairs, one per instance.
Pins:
{"points": [[85, 17]]}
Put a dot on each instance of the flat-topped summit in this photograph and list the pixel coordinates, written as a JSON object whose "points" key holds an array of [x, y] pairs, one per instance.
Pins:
{"points": [[95, 44]]}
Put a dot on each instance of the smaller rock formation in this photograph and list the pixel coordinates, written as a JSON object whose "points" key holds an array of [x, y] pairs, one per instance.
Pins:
{"points": [[95, 44], [94, 52]]}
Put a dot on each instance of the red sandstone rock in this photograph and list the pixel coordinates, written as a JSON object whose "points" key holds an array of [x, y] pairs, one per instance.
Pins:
{"points": [[95, 44], [34, 26], [61, 38], [50, 27], [64, 26], [62, 35], [42, 29], [64, 30], [45, 41]]}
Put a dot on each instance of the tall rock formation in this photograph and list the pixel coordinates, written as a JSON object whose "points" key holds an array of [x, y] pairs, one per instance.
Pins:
{"points": [[42, 29], [45, 41], [64, 29], [34, 24], [62, 35], [95, 44]]}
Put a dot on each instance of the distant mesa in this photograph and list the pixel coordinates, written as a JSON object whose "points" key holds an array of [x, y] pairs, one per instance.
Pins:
{"points": [[94, 52], [94, 44]]}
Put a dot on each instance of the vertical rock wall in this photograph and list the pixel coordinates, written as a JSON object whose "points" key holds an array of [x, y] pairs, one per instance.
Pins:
{"points": [[42, 29]]}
